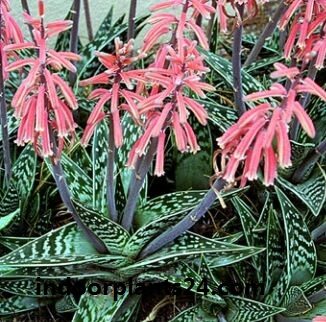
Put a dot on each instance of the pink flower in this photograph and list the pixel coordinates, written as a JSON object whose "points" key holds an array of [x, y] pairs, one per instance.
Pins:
{"points": [[10, 34], [37, 102], [177, 70], [306, 38], [261, 134], [223, 9], [115, 75], [165, 22]]}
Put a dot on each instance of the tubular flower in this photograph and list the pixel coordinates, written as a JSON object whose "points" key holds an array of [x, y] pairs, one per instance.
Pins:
{"points": [[250, 6], [306, 38], [43, 102], [261, 134], [10, 33], [115, 75], [177, 69]]}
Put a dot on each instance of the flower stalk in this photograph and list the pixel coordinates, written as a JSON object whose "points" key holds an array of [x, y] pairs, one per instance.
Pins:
{"points": [[236, 62], [137, 181], [267, 32], [74, 38], [4, 122], [110, 187], [88, 21], [131, 19]]}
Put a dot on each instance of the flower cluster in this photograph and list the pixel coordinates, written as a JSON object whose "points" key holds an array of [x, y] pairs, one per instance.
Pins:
{"points": [[262, 133], [250, 8], [116, 75], [10, 33], [178, 68], [43, 101], [307, 34]]}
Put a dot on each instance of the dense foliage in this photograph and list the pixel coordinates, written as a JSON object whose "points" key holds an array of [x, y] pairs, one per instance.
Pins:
{"points": [[183, 180]]}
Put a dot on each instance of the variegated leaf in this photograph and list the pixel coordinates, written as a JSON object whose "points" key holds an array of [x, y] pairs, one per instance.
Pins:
{"points": [[99, 161], [63, 246], [247, 218], [113, 235], [221, 116], [224, 68], [242, 309], [58, 272], [298, 154], [195, 313], [80, 184], [23, 171], [103, 308], [5, 221], [188, 246], [162, 213], [312, 192], [182, 275], [314, 285], [66, 304], [19, 304], [274, 251], [295, 302], [300, 263]]}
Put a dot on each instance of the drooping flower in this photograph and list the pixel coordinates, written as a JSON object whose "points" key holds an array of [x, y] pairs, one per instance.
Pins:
{"points": [[177, 70], [10, 33], [44, 101], [223, 11], [306, 38], [261, 134], [115, 76]]}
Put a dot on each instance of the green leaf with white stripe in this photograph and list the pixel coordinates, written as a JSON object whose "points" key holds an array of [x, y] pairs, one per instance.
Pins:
{"points": [[20, 304], [247, 219], [23, 172], [63, 246], [80, 184], [181, 274], [295, 302], [300, 263], [274, 251], [242, 309], [224, 68], [194, 313], [9, 202], [299, 153], [66, 304], [221, 116], [12, 122], [175, 203], [99, 161], [162, 213], [313, 285], [103, 308], [188, 246], [312, 192], [113, 235], [7, 220]]}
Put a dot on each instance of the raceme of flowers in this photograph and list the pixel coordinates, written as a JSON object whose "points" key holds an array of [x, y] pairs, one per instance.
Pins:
{"points": [[262, 133], [307, 31], [44, 101], [178, 67], [115, 76], [159, 101], [10, 33]]}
